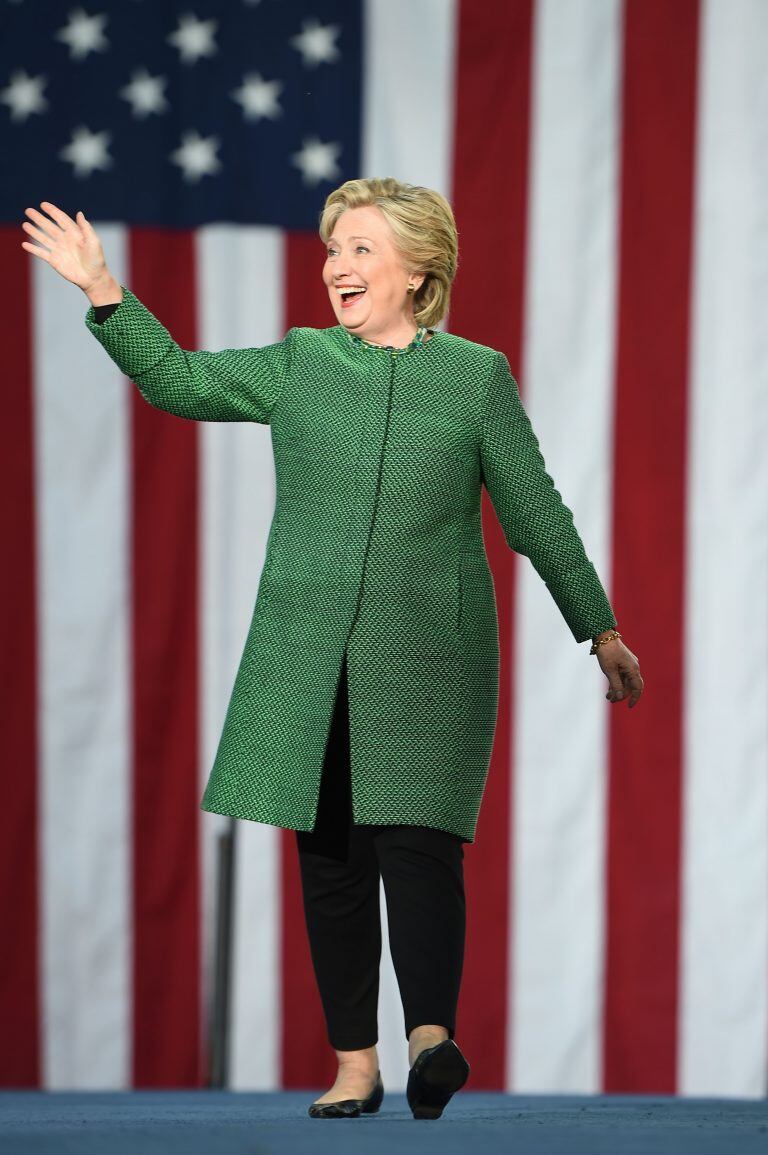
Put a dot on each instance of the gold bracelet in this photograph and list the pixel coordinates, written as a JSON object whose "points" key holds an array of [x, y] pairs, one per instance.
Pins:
{"points": [[611, 638]]}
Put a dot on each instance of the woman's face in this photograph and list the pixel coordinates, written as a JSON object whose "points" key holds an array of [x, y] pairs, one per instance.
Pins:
{"points": [[361, 253]]}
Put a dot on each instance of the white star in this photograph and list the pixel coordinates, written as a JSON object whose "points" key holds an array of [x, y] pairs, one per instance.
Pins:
{"points": [[315, 42], [84, 34], [194, 38], [24, 95], [258, 97], [87, 151], [145, 94], [196, 156], [316, 160]]}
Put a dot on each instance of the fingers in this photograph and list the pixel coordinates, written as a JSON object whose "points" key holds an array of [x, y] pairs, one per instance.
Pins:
{"points": [[615, 684], [46, 226], [58, 215], [624, 684], [49, 233], [38, 234], [36, 250], [634, 686]]}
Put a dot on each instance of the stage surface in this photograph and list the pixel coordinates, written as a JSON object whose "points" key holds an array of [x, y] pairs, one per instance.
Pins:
{"points": [[239, 1123]]}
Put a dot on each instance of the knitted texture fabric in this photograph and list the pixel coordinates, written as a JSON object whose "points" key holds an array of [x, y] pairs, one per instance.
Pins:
{"points": [[375, 551]]}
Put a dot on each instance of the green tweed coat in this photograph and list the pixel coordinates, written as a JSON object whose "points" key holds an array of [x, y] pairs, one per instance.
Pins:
{"points": [[375, 550]]}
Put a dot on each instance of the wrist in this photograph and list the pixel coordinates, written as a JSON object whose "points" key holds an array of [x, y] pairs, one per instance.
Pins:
{"points": [[604, 638], [604, 633], [105, 290]]}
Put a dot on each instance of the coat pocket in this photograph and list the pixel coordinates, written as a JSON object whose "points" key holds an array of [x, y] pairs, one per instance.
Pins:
{"points": [[476, 617]]}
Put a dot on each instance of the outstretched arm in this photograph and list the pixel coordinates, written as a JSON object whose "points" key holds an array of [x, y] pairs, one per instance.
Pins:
{"points": [[229, 385]]}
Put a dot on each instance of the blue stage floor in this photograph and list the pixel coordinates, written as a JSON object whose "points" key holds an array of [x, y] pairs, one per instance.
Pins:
{"points": [[474, 1123]]}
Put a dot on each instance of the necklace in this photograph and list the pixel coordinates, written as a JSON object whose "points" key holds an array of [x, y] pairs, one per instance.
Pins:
{"points": [[417, 341]]}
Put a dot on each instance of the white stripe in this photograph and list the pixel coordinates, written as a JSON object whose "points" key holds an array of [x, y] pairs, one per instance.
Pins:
{"points": [[724, 1010], [408, 56], [241, 305], [82, 485], [554, 1022]]}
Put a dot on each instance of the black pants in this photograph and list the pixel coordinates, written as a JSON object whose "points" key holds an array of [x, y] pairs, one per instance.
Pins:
{"points": [[423, 873]]}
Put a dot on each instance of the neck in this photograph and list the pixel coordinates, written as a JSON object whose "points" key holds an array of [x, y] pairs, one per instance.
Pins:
{"points": [[398, 336], [400, 344]]}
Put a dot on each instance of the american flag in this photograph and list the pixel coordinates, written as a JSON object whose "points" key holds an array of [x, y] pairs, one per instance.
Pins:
{"points": [[607, 161]]}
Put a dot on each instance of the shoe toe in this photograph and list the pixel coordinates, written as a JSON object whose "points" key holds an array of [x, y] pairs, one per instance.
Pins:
{"points": [[344, 1109], [350, 1108]]}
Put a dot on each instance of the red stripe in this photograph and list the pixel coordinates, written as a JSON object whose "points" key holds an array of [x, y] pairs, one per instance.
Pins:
{"points": [[19, 913], [307, 1058], [644, 838], [490, 182], [165, 565]]}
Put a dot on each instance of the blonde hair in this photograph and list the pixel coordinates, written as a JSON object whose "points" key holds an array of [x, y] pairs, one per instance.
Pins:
{"points": [[424, 229]]}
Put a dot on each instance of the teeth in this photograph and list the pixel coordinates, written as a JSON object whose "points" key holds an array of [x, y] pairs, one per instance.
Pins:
{"points": [[350, 289]]}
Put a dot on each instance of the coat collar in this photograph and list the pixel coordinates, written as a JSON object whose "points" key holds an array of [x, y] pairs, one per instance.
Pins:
{"points": [[416, 345]]}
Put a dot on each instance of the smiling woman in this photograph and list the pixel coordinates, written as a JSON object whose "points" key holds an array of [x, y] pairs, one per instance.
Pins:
{"points": [[363, 711], [391, 256]]}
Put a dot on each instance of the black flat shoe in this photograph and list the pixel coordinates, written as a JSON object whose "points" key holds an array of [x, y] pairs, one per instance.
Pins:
{"points": [[433, 1078], [350, 1108]]}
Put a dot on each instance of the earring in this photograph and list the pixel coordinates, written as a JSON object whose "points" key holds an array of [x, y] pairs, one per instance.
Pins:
{"points": [[410, 288]]}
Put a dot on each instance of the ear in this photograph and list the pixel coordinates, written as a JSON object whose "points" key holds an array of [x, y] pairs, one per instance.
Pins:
{"points": [[417, 280]]}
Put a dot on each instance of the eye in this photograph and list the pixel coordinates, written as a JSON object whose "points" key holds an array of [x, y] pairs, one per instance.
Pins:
{"points": [[365, 249]]}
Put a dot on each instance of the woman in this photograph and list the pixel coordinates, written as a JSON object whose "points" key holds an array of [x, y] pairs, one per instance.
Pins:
{"points": [[363, 711]]}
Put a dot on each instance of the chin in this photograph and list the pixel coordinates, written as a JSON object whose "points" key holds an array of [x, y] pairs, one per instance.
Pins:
{"points": [[350, 322], [343, 319]]}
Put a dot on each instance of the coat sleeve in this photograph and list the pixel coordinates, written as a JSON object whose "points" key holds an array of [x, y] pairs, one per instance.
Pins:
{"points": [[535, 520], [229, 385]]}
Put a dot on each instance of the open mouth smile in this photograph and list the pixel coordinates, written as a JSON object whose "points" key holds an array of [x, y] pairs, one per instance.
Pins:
{"points": [[350, 294]]}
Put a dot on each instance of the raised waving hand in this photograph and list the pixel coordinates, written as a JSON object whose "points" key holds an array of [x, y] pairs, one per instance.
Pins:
{"points": [[72, 248]]}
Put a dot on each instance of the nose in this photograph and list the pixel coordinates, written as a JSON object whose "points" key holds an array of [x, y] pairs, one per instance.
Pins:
{"points": [[341, 271]]}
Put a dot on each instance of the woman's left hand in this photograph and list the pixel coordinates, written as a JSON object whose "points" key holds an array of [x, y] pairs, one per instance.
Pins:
{"points": [[622, 670]]}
